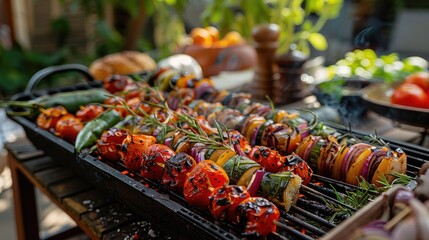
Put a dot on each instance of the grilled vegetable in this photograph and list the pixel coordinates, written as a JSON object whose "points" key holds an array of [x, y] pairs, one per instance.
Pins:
{"points": [[351, 163], [224, 201], [49, 117], [71, 101], [176, 170], [116, 83], [109, 144], [133, 148], [281, 188], [394, 162], [153, 162], [93, 129], [89, 112], [256, 216], [201, 182], [240, 169], [68, 127]]}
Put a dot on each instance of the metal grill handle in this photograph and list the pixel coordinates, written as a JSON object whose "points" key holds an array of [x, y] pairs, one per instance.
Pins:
{"points": [[49, 71]]}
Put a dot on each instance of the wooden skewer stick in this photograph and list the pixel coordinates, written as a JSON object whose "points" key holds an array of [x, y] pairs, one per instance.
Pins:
{"points": [[397, 218]]}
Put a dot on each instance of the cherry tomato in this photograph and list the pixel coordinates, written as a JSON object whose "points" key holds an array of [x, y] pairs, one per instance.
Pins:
{"points": [[409, 94], [137, 106], [89, 112], [109, 144], [132, 150], [294, 163], [421, 79], [116, 83], [117, 101], [177, 169], [269, 158], [224, 201], [201, 182], [154, 159], [68, 127], [49, 117], [256, 216]]}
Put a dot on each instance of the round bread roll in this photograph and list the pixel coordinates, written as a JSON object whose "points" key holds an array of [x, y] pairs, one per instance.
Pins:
{"points": [[126, 62]]}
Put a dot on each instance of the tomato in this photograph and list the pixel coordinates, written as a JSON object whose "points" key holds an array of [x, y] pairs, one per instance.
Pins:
{"points": [[256, 216], [421, 79], [224, 201], [68, 127], [116, 83], [117, 101], [49, 117], [297, 165], [205, 126], [269, 158], [137, 106], [177, 170], [89, 112], [132, 150], [237, 139], [411, 95], [201, 182], [110, 142], [154, 159]]}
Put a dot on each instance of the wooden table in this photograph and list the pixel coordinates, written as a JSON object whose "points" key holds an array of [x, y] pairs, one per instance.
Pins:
{"points": [[97, 215]]}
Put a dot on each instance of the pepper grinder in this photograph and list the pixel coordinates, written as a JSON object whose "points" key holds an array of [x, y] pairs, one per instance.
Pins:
{"points": [[266, 44]]}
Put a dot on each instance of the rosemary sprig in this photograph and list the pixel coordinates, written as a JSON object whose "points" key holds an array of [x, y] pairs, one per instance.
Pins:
{"points": [[364, 193], [194, 133]]}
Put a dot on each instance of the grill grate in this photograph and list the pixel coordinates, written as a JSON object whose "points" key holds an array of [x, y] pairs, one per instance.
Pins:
{"points": [[305, 220]]}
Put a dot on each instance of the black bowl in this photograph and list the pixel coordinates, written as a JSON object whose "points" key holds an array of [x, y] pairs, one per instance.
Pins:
{"points": [[345, 95]]}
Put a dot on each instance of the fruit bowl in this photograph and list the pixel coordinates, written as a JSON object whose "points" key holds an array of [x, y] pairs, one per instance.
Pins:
{"points": [[215, 59]]}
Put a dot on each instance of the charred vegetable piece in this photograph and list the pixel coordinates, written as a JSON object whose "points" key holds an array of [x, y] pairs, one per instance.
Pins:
{"points": [[93, 129], [68, 127], [201, 182], [109, 144], [153, 161], [176, 171], [269, 158], [281, 188], [224, 201], [89, 112], [240, 169], [298, 166], [395, 161], [49, 117], [132, 150], [256, 217], [116, 83]]}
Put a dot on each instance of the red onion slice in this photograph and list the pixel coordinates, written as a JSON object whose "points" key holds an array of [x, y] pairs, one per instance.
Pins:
{"points": [[168, 141], [255, 182], [353, 152], [310, 147], [254, 135], [376, 153], [198, 152]]}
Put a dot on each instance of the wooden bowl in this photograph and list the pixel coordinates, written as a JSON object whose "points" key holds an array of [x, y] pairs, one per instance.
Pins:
{"points": [[377, 98], [214, 60]]}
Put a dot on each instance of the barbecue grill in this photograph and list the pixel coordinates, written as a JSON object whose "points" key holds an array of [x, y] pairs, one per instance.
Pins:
{"points": [[307, 219]]}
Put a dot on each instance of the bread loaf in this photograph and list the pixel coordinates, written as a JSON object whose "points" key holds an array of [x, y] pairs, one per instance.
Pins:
{"points": [[126, 62]]}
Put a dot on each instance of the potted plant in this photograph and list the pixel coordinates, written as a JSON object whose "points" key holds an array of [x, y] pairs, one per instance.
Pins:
{"points": [[299, 21]]}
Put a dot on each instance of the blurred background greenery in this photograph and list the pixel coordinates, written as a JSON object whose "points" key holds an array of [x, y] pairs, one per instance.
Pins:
{"points": [[159, 26]]}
